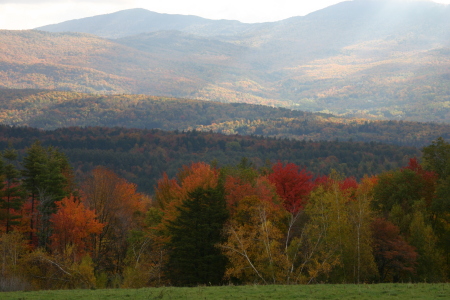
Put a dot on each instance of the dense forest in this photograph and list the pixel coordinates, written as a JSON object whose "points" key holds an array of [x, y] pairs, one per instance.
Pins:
{"points": [[238, 223], [54, 109], [142, 155]]}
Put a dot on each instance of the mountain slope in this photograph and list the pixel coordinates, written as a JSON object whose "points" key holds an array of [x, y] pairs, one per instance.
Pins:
{"points": [[81, 62], [363, 58]]}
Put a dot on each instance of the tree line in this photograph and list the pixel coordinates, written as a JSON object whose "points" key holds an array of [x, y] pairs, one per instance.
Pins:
{"points": [[240, 224], [142, 155]]}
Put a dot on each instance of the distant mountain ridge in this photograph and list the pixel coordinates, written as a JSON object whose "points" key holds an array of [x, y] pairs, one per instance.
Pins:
{"points": [[378, 16], [136, 21], [363, 58]]}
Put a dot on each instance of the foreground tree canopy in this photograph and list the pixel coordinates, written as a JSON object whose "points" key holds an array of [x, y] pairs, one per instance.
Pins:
{"points": [[280, 224]]}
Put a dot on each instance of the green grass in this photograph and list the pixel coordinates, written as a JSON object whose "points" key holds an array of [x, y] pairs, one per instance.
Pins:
{"points": [[323, 291]]}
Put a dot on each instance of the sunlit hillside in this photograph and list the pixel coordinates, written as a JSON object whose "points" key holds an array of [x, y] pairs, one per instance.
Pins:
{"points": [[368, 59]]}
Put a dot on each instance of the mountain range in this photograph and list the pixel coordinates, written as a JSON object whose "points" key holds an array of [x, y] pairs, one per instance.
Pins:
{"points": [[363, 58]]}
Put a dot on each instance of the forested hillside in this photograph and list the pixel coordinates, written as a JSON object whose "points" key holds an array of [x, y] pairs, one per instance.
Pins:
{"points": [[369, 59], [53, 109], [142, 155]]}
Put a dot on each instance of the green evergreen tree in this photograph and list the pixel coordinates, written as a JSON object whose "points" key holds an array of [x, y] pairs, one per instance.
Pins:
{"points": [[193, 255], [13, 195], [45, 182], [52, 189], [33, 164]]}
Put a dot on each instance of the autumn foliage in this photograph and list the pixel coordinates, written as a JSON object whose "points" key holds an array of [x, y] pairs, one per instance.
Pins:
{"points": [[396, 259], [74, 225], [292, 185], [235, 224]]}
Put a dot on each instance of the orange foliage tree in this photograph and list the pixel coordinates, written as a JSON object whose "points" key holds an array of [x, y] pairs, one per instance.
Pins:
{"points": [[119, 206], [73, 226]]}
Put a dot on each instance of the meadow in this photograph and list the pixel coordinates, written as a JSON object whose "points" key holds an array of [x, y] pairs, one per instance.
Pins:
{"points": [[319, 291]]}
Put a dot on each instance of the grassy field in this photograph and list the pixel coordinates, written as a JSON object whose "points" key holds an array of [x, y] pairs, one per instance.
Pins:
{"points": [[324, 291]]}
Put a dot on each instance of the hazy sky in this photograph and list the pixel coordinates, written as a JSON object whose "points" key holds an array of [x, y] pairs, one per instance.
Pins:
{"points": [[27, 14]]}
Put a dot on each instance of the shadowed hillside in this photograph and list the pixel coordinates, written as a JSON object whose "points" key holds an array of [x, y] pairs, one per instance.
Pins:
{"points": [[53, 109]]}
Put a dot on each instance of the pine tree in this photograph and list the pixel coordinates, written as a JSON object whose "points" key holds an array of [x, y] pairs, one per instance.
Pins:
{"points": [[33, 164], [52, 189], [193, 255], [13, 195], [46, 183]]}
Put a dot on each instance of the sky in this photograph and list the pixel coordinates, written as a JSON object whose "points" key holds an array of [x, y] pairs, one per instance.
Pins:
{"points": [[28, 14]]}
